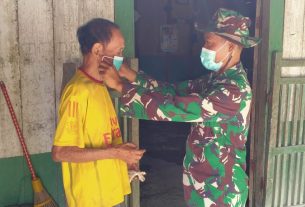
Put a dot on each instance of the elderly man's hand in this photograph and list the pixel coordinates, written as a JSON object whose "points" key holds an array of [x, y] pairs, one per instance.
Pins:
{"points": [[129, 153], [110, 76]]}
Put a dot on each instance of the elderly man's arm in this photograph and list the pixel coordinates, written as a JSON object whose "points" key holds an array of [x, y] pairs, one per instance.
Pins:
{"points": [[127, 152]]}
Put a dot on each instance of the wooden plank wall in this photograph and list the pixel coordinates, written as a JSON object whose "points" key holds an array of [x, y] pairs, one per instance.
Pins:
{"points": [[36, 73], [36, 38], [10, 73], [293, 44], [294, 34]]}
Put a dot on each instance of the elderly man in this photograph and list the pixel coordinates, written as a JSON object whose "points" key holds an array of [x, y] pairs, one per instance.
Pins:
{"points": [[218, 105], [88, 139]]}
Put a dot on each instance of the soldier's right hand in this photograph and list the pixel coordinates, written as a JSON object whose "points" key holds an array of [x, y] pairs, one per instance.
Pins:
{"points": [[127, 72], [129, 153]]}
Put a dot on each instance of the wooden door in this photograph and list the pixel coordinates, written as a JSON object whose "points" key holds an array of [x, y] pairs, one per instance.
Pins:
{"points": [[286, 157]]}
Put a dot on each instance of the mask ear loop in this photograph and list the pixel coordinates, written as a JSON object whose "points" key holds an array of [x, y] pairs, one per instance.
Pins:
{"points": [[222, 46], [226, 55], [228, 61], [106, 57], [231, 55]]}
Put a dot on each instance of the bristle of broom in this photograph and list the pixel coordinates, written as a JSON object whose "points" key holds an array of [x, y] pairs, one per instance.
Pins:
{"points": [[41, 196]]}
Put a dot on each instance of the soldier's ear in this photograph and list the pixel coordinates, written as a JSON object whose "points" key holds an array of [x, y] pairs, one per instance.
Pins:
{"points": [[231, 46]]}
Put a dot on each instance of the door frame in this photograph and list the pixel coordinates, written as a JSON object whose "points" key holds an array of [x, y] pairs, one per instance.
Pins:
{"points": [[270, 27]]}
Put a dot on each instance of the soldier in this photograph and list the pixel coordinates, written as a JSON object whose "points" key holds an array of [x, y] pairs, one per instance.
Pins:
{"points": [[218, 105]]}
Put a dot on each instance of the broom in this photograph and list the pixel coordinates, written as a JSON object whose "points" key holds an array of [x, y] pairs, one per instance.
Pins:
{"points": [[41, 197]]}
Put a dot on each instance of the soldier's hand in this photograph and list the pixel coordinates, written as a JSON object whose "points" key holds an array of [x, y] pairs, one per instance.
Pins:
{"points": [[126, 72], [110, 76], [129, 153]]}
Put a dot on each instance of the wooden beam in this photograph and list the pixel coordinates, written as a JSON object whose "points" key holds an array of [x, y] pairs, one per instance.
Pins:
{"points": [[270, 23], [287, 150]]}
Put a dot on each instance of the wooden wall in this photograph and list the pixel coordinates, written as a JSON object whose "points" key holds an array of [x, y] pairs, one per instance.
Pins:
{"points": [[294, 35], [36, 38]]}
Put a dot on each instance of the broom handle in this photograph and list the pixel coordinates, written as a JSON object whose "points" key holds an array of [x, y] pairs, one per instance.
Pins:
{"points": [[18, 130]]}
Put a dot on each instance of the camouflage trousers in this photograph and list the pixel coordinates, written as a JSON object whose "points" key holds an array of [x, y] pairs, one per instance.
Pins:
{"points": [[195, 199]]}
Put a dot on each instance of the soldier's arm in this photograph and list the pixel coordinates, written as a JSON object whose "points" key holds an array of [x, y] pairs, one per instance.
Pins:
{"points": [[181, 89], [222, 104]]}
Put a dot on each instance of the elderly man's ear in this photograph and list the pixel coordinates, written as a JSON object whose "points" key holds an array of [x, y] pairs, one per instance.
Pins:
{"points": [[97, 49]]}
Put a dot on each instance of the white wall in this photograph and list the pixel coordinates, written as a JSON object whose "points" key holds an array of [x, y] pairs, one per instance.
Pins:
{"points": [[36, 38], [294, 35]]}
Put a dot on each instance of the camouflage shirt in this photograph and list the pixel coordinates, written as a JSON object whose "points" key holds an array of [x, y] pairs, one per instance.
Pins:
{"points": [[219, 106]]}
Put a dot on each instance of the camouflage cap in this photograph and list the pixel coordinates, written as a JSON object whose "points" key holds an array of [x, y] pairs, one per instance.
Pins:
{"points": [[232, 26]]}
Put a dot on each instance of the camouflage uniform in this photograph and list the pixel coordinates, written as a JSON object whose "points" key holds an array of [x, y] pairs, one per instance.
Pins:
{"points": [[232, 26], [218, 105]]}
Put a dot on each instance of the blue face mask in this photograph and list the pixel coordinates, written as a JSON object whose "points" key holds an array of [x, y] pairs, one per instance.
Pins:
{"points": [[117, 61], [208, 58]]}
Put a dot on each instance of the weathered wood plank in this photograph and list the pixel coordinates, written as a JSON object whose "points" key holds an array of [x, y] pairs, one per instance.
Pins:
{"points": [[10, 74], [302, 117], [302, 180], [295, 114], [281, 114], [293, 29], [277, 180], [298, 176], [288, 150], [68, 16], [293, 72], [37, 73], [303, 26], [294, 36]]}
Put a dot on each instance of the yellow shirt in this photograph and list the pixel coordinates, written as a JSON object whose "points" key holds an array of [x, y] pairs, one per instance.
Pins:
{"points": [[87, 119]]}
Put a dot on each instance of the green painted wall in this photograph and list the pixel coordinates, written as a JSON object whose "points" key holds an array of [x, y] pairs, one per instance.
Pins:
{"points": [[124, 17], [276, 30], [15, 179]]}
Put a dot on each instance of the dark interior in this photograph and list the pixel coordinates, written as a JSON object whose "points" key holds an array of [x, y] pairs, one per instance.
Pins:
{"points": [[174, 60]]}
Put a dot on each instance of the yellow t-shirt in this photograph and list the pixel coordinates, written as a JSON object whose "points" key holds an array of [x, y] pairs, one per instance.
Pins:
{"points": [[87, 119]]}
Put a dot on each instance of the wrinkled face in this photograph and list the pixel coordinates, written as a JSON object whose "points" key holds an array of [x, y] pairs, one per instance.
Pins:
{"points": [[114, 48], [116, 45], [217, 43]]}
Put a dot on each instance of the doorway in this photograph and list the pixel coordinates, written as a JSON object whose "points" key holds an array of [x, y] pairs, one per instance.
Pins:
{"points": [[168, 49]]}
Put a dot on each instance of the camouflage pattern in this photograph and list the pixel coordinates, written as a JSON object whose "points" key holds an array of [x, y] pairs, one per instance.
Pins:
{"points": [[231, 25], [218, 105]]}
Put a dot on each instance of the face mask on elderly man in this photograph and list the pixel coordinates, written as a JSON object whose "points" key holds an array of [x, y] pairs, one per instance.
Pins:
{"points": [[117, 61]]}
